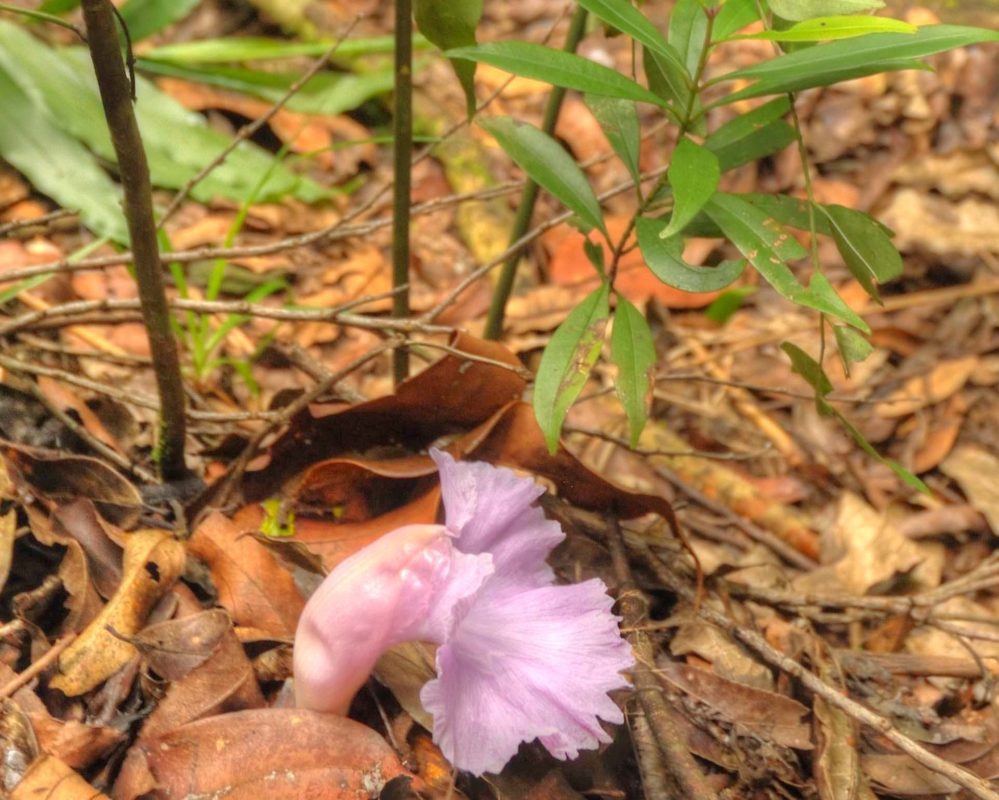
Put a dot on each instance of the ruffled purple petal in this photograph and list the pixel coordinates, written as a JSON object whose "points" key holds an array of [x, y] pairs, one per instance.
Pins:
{"points": [[490, 510], [403, 587], [524, 664]]}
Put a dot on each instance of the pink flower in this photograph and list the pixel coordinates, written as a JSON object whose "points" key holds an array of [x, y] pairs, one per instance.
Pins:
{"points": [[519, 657]]}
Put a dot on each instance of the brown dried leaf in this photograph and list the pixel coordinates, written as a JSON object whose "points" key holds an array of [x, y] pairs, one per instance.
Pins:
{"points": [[944, 380], [253, 586], [280, 754], [50, 778], [900, 775], [976, 471], [8, 535], [177, 646], [153, 561], [836, 764]]}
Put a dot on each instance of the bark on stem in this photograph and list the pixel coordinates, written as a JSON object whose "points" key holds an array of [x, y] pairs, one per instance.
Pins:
{"points": [[116, 95]]}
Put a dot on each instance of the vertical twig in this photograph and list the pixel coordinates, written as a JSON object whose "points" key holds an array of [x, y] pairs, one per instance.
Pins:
{"points": [[116, 95], [525, 208], [402, 138]]}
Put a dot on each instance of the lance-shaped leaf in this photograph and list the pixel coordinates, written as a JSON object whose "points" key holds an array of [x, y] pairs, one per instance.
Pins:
{"points": [[734, 16], [619, 121], [549, 165], [864, 245], [752, 136], [452, 24], [853, 58], [823, 29], [797, 10], [688, 24], [767, 245], [634, 355], [665, 258], [693, 174], [556, 67], [628, 19], [567, 361]]}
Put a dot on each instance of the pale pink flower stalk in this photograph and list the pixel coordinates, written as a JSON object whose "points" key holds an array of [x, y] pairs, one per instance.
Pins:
{"points": [[519, 657]]}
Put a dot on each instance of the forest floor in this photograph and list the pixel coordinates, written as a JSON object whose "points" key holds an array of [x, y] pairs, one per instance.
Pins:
{"points": [[820, 574]]}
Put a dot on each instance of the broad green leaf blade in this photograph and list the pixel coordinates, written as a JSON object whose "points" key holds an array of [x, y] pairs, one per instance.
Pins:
{"points": [[688, 25], [57, 164], [797, 10], [634, 354], [628, 19], [822, 29], [556, 67], [734, 16], [665, 258], [808, 368], [864, 245], [667, 81], [767, 245], [548, 164], [853, 347], [146, 17], [694, 172], [619, 121], [853, 58], [751, 136], [452, 24], [566, 363]]}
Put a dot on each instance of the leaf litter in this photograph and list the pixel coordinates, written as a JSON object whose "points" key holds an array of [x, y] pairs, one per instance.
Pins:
{"points": [[183, 611]]}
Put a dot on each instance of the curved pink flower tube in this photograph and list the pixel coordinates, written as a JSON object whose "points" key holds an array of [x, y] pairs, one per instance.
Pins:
{"points": [[519, 657]]}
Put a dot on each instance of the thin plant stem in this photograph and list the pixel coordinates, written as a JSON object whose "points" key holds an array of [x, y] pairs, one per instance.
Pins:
{"points": [[402, 137], [529, 196], [116, 95]]}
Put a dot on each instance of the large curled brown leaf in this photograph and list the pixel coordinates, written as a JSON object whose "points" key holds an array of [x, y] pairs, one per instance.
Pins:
{"points": [[278, 754]]}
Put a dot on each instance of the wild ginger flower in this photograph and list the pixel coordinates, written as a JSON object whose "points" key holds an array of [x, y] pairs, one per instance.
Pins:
{"points": [[518, 658]]}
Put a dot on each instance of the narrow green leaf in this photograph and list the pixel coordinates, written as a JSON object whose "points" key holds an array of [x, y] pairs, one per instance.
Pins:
{"points": [[688, 24], [864, 245], [619, 121], [767, 245], [260, 48], [57, 164], [734, 16], [666, 81], [853, 58], [634, 354], [808, 368], [822, 29], [853, 346], [628, 19], [752, 136], [797, 10], [452, 24], [566, 363], [727, 303], [549, 165], [146, 17], [556, 67], [693, 173], [746, 124], [665, 258]]}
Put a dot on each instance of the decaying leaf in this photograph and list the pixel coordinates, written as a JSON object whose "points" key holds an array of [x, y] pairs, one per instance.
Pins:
{"points": [[280, 754], [152, 563], [50, 778], [977, 472], [945, 379]]}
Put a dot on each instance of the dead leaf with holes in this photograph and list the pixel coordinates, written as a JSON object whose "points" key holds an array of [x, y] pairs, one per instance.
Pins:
{"points": [[153, 561], [280, 754]]}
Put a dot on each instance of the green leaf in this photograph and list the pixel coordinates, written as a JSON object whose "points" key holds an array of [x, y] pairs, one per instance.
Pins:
{"points": [[556, 67], [864, 245], [665, 258], [767, 245], [744, 125], [688, 24], [853, 346], [259, 48], [852, 58], [57, 164], [566, 363], [452, 24], [634, 354], [734, 16], [752, 136], [810, 369], [727, 303], [797, 10], [619, 121], [146, 17], [693, 173], [667, 81], [626, 18], [823, 29], [548, 164]]}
